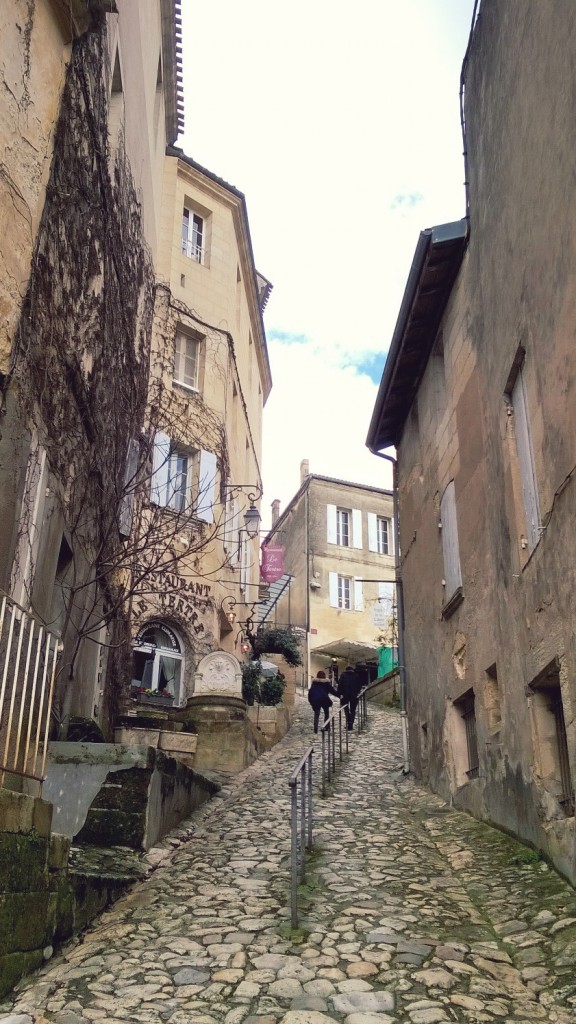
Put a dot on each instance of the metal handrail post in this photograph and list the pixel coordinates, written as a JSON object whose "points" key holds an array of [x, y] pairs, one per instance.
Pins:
{"points": [[340, 731], [323, 763], [294, 854], [309, 843], [303, 822]]}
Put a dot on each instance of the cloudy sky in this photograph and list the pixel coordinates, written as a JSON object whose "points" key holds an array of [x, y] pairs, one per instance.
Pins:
{"points": [[340, 123]]}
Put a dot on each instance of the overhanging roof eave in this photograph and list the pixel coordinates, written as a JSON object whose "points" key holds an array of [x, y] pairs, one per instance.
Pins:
{"points": [[439, 253]]}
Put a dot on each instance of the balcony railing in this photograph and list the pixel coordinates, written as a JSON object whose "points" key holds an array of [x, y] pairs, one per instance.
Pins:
{"points": [[28, 658], [193, 251]]}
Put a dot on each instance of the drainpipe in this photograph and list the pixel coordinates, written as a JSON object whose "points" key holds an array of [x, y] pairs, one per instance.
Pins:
{"points": [[307, 584], [400, 612]]}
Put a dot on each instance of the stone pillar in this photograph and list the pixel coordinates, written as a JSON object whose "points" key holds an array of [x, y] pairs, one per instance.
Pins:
{"points": [[219, 715]]}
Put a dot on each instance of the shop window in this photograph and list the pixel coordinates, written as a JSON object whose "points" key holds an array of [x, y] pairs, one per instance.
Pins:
{"points": [[158, 661]]}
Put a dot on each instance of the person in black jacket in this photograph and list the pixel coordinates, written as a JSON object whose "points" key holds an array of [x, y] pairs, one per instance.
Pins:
{"points": [[319, 697], [349, 686]]}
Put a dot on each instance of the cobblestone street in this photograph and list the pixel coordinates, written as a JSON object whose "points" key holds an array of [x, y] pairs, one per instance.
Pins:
{"points": [[412, 913]]}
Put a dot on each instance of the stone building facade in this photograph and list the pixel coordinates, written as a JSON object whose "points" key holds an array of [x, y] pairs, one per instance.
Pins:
{"points": [[478, 396], [90, 99], [339, 553], [209, 380]]}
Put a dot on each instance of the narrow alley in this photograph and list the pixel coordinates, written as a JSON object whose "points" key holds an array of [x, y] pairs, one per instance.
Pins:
{"points": [[412, 914]]}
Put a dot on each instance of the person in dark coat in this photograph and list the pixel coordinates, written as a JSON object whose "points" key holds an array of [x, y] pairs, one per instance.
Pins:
{"points": [[319, 697], [349, 686]]}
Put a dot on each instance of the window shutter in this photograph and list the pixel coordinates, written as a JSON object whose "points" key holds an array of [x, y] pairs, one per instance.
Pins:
{"points": [[206, 483], [450, 550], [228, 519], [331, 515], [386, 596], [526, 461], [236, 535], [243, 561], [358, 595], [160, 469], [356, 528], [372, 532], [333, 588], [127, 501]]}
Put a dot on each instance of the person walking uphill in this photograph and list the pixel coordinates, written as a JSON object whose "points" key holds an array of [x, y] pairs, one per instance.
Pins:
{"points": [[349, 686], [319, 697]]}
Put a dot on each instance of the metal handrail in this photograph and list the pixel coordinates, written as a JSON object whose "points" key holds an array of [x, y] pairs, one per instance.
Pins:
{"points": [[328, 734], [303, 774], [301, 825]]}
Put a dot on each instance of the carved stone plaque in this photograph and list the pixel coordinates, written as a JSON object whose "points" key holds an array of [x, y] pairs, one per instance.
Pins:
{"points": [[218, 672]]}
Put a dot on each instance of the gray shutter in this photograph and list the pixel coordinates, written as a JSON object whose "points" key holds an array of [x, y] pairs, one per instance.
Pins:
{"points": [[126, 511], [526, 461], [450, 548], [160, 469], [333, 588], [206, 483], [358, 595]]}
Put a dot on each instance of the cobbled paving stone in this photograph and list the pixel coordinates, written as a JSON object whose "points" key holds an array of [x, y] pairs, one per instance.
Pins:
{"points": [[411, 913]]}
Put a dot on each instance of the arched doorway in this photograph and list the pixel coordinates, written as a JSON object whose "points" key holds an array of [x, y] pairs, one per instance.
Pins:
{"points": [[158, 660]]}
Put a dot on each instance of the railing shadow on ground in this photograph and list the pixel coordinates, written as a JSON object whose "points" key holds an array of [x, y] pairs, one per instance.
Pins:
{"points": [[301, 789]]}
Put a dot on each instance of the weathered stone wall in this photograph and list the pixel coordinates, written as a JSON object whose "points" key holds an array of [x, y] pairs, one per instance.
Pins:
{"points": [[79, 371], [514, 299], [36, 905]]}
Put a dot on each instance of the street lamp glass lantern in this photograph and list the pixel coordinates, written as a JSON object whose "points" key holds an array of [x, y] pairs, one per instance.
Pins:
{"points": [[252, 521]]}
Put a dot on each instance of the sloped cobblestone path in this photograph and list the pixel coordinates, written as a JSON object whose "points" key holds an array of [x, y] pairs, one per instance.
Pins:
{"points": [[411, 914]]}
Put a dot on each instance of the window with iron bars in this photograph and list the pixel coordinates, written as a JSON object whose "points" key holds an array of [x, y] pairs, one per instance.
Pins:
{"points": [[468, 713]]}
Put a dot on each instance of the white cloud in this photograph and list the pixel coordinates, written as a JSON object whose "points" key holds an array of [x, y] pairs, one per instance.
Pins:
{"points": [[321, 413]]}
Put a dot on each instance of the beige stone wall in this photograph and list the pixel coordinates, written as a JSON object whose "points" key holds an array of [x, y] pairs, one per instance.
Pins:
{"points": [[214, 301], [35, 56]]}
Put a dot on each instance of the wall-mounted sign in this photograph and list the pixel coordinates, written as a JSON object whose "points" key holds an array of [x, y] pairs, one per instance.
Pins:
{"points": [[380, 615], [272, 567]]}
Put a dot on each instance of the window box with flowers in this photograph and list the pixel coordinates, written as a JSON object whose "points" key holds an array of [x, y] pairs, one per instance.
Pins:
{"points": [[163, 698]]}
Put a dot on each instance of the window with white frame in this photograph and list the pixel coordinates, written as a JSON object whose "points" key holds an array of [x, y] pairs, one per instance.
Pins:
{"points": [[193, 235], [158, 661], [383, 535], [379, 534], [183, 480], [344, 526], [187, 359], [345, 592]]}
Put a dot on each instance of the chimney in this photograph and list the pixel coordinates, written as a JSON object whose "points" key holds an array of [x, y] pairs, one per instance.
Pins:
{"points": [[304, 470], [275, 511]]}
